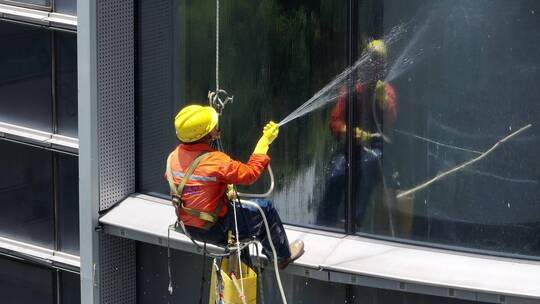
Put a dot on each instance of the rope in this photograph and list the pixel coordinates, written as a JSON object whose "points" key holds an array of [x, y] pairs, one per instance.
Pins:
{"points": [[238, 249], [274, 254], [201, 289], [468, 163], [217, 46]]}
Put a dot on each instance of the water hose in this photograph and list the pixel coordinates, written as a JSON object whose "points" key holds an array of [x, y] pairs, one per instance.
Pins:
{"points": [[274, 254], [262, 195]]}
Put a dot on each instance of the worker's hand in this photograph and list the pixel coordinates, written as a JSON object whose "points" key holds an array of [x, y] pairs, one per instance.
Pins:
{"points": [[361, 136], [231, 194], [380, 94], [270, 132]]}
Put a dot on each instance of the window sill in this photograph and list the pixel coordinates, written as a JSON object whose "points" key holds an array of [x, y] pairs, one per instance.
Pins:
{"points": [[357, 260], [38, 17], [39, 138], [39, 255]]}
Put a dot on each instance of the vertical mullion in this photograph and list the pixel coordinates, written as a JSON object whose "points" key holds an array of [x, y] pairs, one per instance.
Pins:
{"points": [[352, 51], [57, 283], [55, 202], [53, 83]]}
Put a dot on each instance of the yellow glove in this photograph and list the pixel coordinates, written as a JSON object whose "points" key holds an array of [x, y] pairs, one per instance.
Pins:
{"points": [[361, 135], [380, 94], [231, 194], [270, 132]]}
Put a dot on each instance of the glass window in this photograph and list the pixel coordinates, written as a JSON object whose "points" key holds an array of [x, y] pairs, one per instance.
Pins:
{"points": [[35, 4], [433, 86], [23, 283], [152, 281], [66, 6], [66, 83], [68, 203], [26, 194], [271, 68], [464, 76], [70, 288], [25, 76]]}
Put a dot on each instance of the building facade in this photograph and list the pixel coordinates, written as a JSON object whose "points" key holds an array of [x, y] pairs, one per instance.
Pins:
{"points": [[440, 205]]}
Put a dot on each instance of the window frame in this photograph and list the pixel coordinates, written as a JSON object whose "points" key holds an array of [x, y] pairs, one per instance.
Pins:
{"points": [[29, 5]]}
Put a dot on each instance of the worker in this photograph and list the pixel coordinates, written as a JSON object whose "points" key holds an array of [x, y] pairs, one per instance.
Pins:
{"points": [[375, 103], [206, 210]]}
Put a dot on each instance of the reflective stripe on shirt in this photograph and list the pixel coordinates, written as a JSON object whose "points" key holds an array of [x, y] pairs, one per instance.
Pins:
{"points": [[195, 177]]}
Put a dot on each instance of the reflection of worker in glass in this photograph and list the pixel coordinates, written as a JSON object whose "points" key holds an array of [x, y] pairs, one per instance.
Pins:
{"points": [[375, 103], [204, 205]]}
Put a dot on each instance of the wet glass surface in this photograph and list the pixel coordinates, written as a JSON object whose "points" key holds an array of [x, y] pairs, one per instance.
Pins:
{"points": [[271, 69], [25, 76], [461, 76], [465, 74], [26, 194]]}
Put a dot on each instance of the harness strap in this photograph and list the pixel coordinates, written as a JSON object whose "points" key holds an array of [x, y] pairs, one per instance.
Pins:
{"points": [[209, 217]]}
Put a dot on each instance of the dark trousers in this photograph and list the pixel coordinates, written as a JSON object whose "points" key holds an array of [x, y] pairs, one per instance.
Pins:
{"points": [[368, 174], [250, 223]]}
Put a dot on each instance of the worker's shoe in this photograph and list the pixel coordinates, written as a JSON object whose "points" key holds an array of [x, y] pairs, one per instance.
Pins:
{"points": [[297, 250]]}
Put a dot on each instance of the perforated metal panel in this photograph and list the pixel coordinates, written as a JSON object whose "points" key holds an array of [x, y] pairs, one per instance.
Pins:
{"points": [[155, 62], [116, 141], [118, 280], [115, 57]]}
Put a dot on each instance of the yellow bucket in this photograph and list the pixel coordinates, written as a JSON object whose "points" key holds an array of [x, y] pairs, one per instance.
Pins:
{"points": [[230, 293]]}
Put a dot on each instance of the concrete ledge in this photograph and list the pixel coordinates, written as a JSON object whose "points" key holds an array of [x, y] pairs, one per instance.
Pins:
{"points": [[39, 254], [38, 17], [39, 138], [358, 260]]}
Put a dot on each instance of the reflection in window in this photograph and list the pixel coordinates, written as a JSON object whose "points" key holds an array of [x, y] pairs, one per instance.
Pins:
{"points": [[23, 283], [462, 83], [269, 62], [452, 81], [68, 203], [25, 76], [35, 4], [26, 194], [66, 83], [65, 7]]}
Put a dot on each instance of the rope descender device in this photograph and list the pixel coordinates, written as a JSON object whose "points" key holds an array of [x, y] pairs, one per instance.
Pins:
{"points": [[219, 99]]}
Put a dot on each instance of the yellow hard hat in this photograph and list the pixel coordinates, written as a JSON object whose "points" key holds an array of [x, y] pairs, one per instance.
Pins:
{"points": [[195, 122], [377, 46]]}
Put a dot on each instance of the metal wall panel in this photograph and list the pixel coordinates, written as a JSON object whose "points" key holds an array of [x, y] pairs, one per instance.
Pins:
{"points": [[115, 140], [118, 280], [115, 75]]}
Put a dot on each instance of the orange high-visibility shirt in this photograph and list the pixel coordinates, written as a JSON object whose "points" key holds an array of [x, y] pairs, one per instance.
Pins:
{"points": [[208, 183]]}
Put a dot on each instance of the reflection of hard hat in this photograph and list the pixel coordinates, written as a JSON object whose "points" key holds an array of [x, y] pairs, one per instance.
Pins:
{"points": [[195, 122], [378, 47]]}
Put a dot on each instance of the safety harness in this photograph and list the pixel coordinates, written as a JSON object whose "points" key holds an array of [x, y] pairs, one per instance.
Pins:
{"points": [[209, 217]]}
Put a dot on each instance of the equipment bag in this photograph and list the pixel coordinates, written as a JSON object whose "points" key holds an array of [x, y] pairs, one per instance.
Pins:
{"points": [[224, 288]]}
